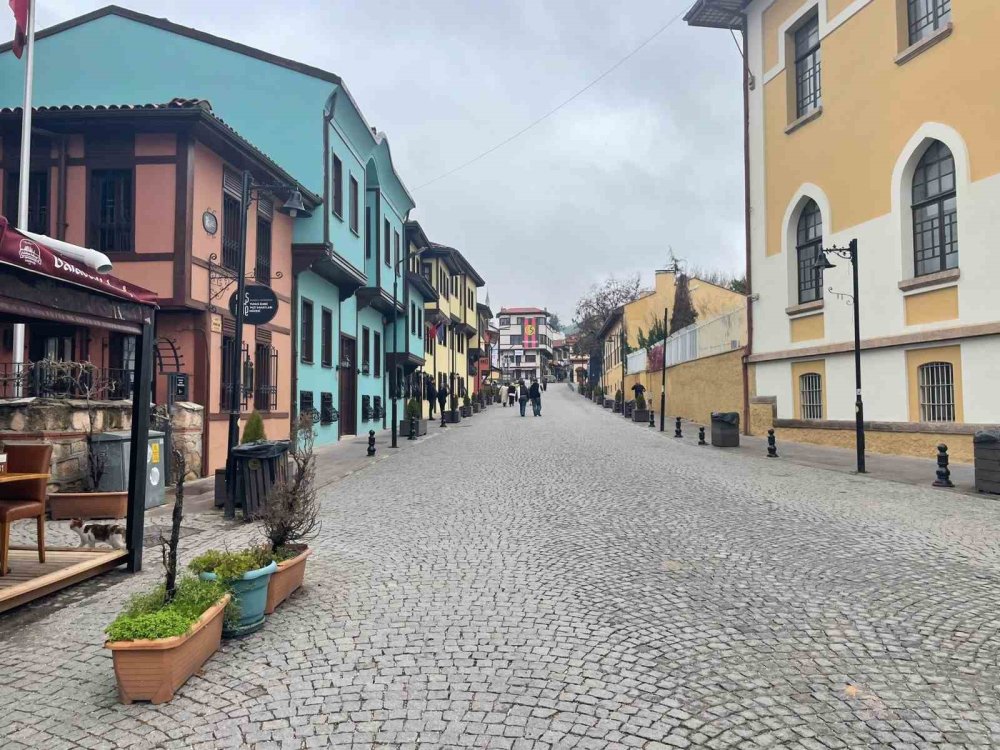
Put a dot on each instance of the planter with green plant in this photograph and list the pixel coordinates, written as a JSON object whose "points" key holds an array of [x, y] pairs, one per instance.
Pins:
{"points": [[454, 416], [164, 636], [246, 573], [640, 413], [617, 405], [291, 518], [466, 406], [414, 412]]}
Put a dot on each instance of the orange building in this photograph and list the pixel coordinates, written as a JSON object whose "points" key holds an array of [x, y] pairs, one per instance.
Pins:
{"points": [[157, 188]]}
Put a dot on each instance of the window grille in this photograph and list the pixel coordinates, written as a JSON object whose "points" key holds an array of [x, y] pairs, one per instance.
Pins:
{"points": [[935, 212], [306, 405], [327, 414], [807, 67], [937, 392], [38, 200], [265, 396], [111, 202], [811, 395], [809, 244], [924, 17], [262, 269], [230, 231]]}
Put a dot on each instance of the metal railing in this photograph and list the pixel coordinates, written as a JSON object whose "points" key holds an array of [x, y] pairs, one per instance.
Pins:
{"points": [[723, 333], [67, 380]]}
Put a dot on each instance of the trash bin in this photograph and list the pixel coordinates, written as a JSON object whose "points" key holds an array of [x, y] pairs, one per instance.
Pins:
{"points": [[114, 449], [256, 469], [726, 429], [986, 455]]}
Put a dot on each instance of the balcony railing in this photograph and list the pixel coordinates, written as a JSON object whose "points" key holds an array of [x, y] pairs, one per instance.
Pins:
{"points": [[66, 380]]}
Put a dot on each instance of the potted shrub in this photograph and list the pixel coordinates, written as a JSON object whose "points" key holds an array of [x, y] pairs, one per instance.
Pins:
{"points": [[253, 430], [246, 574], [617, 405], [291, 518], [454, 416], [413, 415], [164, 636], [640, 413], [466, 406], [84, 379]]}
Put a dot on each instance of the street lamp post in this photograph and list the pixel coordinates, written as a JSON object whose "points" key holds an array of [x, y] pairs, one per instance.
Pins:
{"points": [[851, 253], [663, 374], [395, 340]]}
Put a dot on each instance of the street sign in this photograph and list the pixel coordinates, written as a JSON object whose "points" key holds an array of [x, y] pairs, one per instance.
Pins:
{"points": [[260, 304]]}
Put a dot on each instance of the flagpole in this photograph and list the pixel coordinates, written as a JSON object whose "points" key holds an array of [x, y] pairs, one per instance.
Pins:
{"points": [[24, 177]]}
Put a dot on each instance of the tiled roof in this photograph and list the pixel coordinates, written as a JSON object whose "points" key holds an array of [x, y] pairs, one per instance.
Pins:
{"points": [[522, 310], [175, 104]]}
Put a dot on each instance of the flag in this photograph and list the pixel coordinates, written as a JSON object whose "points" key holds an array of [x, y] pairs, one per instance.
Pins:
{"points": [[20, 8]]}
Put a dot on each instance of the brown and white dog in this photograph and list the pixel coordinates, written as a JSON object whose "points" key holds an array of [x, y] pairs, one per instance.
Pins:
{"points": [[93, 533]]}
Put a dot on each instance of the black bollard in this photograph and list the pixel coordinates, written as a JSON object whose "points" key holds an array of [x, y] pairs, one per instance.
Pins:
{"points": [[772, 447], [943, 472], [413, 430], [677, 428], [442, 419], [701, 436], [371, 442], [652, 422]]}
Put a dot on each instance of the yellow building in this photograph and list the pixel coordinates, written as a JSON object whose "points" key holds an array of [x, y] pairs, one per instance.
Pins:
{"points": [[452, 341], [873, 121]]}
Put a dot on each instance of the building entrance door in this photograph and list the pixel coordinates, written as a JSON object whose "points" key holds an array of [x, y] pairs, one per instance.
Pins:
{"points": [[348, 386]]}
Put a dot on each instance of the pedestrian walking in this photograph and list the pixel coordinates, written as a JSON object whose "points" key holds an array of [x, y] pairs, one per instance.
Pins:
{"points": [[431, 393], [511, 393], [535, 394], [442, 395], [522, 396]]}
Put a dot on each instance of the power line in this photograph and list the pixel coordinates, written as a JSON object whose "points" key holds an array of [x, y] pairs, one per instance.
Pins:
{"points": [[558, 107]]}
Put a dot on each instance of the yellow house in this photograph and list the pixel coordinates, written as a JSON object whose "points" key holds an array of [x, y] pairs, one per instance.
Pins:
{"points": [[873, 122]]}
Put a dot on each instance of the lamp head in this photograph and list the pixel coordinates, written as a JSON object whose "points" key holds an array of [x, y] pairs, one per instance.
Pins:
{"points": [[294, 205], [823, 263]]}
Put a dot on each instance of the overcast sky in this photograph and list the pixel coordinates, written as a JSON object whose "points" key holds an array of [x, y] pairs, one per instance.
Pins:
{"points": [[649, 158]]}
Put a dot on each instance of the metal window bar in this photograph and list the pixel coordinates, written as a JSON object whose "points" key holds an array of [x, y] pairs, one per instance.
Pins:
{"points": [[924, 17], [111, 219], [306, 405], [811, 396], [937, 392], [265, 394], [808, 86], [262, 268], [230, 232], [327, 414], [226, 372], [38, 200]]}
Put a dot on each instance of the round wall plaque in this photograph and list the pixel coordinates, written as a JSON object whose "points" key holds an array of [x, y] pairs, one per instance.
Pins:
{"points": [[260, 304], [210, 221]]}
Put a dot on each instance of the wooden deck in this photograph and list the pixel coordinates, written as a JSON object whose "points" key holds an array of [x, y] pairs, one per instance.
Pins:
{"points": [[29, 579]]}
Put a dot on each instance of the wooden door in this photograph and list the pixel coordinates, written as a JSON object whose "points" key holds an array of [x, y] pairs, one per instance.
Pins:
{"points": [[348, 377]]}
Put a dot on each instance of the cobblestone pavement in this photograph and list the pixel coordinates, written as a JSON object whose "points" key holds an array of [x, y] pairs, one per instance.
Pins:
{"points": [[574, 581]]}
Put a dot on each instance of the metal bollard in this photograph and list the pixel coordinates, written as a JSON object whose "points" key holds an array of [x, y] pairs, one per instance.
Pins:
{"points": [[413, 430], [772, 447], [701, 436], [677, 428], [652, 422], [943, 472], [371, 442], [443, 424]]}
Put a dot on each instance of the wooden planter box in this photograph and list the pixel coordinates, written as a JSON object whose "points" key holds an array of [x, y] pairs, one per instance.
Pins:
{"points": [[640, 415], [404, 427], [986, 455], [153, 670], [285, 580], [87, 505]]}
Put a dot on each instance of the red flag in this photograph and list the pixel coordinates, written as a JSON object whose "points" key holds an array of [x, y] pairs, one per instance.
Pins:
{"points": [[20, 8]]}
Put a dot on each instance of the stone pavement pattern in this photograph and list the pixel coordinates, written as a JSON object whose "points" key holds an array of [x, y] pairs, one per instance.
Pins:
{"points": [[574, 581]]}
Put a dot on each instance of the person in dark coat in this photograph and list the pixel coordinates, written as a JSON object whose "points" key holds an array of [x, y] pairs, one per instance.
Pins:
{"points": [[535, 394], [442, 397], [511, 394], [522, 396], [431, 394]]}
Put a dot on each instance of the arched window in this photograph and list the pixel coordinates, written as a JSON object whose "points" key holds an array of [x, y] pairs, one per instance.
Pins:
{"points": [[937, 392], [811, 396], [808, 243], [935, 212]]}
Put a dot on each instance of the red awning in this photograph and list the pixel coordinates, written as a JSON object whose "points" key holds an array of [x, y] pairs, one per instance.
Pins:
{"points": [[26, 254]]}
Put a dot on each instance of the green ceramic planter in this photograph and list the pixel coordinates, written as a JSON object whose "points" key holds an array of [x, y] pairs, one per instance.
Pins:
{"points": [[250, 593]]}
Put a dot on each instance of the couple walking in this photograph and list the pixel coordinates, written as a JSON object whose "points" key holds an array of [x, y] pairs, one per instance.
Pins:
{"points": [[522, 394]]}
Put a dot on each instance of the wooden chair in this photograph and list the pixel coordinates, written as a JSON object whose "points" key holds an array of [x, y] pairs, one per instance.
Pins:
{"points": [[20, 500]]}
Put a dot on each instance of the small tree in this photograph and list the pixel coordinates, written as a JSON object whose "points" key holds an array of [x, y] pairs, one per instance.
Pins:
{"points": [[291, 515], [640, 402], [168, 547], [684, 313], [413, 409], [253, 431]]}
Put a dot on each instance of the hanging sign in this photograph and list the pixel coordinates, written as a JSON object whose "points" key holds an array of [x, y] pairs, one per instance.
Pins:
{"points": [[260, 304]]}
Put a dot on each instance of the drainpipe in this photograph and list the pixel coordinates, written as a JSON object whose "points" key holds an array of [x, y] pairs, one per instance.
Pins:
{"points": [[748, 350], [61, 224]]}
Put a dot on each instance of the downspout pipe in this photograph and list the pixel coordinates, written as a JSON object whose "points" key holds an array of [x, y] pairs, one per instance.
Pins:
{"points": [[748, 350]]}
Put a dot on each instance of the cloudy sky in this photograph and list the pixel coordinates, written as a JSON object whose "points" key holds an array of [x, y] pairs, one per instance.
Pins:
{"points": [[648, 159]]}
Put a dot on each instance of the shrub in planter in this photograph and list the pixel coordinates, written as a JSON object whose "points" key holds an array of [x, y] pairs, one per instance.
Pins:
{"points": [[413, 413], [164, 636], [640, 413], [466, 407], [253, 430], [246, 573], [291, 518]]}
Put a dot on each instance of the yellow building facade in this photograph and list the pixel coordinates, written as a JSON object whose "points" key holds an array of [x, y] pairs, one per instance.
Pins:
{"points": [[873, 121]]}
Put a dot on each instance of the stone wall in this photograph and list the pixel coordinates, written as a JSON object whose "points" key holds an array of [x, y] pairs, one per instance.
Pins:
{"points": [[65, 424]]}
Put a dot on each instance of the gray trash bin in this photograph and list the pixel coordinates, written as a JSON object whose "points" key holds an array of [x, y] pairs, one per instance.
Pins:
{"points": [[726, 429], [116, 447], [986, 454]]}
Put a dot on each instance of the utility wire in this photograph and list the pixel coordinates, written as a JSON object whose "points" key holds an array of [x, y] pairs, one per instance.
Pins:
{"points": [[558, 107]]}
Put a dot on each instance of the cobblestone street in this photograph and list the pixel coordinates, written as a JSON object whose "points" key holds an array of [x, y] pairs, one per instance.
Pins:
{"points": [[572, 581]]}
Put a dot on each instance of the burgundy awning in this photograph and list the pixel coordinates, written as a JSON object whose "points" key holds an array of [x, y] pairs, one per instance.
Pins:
{"points": [[26, 254]]}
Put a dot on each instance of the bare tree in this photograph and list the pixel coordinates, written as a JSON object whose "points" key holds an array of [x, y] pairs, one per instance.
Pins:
{"points": [[291, 515], [598, 304], [168, 547]]}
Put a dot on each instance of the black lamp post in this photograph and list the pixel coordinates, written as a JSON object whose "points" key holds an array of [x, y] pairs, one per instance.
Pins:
{"points": [[851, 253], [395, 340], [293, 207]]}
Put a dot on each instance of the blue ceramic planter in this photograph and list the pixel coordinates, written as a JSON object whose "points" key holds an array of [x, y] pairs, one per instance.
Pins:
{"points": [[250, 593]]}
